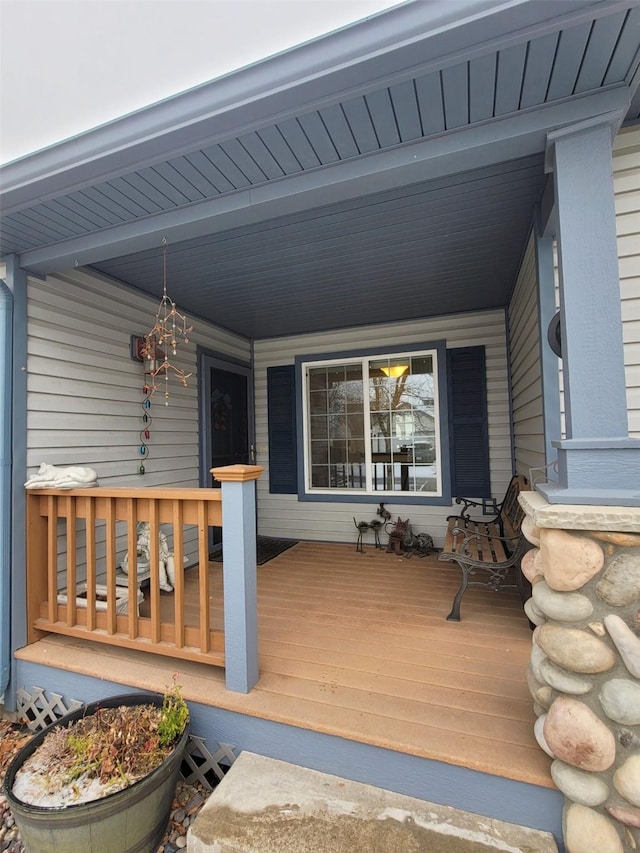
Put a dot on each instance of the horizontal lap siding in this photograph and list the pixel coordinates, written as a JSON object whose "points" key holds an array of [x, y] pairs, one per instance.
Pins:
{"points": [[626, 166], [85, 396], [85, 392], [526, 380], [284, 515]]}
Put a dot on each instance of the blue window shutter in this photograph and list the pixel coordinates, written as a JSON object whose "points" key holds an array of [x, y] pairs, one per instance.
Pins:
{"points": [[283, 458], [468, 426]]}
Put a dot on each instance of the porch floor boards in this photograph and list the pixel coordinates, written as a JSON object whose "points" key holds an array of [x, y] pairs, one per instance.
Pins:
{"points": [[357, 645]]}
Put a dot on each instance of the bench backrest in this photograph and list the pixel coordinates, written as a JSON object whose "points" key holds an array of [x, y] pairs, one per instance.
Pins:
{"points": [[511, 513]]}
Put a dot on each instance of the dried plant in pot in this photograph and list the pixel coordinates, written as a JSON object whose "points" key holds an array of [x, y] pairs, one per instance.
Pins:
{"points": [[102, 778]]}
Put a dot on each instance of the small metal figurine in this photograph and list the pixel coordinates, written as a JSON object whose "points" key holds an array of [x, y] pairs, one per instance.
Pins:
{"points": [[362, 527], [384, 514]]}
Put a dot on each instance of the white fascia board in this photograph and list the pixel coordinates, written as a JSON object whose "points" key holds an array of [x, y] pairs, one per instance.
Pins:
{"points": [[411, 38], [453, 152]]}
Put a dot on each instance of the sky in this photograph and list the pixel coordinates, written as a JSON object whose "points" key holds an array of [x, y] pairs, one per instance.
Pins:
{"points": [[69, 65]]}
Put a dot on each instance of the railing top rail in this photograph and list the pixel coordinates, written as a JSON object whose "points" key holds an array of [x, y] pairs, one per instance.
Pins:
{"points": [[145, 493]]}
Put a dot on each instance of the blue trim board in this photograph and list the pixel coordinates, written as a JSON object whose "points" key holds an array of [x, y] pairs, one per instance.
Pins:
{"points": [[16, 281], [434, 781]]}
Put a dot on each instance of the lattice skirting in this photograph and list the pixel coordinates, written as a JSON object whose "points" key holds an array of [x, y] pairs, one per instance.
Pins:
{"points": [[39, 709]]}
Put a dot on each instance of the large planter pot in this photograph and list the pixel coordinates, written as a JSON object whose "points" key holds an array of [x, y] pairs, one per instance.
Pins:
{"points": [[132, 820]]}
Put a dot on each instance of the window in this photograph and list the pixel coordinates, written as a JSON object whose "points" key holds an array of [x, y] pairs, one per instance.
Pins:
{"points": [[372, 425], [445, 429]]}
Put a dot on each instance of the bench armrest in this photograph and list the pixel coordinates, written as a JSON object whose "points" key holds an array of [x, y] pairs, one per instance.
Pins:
{"points": [[488, 506]]}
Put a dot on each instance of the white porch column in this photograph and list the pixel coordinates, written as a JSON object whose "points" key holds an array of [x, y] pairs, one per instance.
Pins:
{"points": [[239, 574], [597, 463]]}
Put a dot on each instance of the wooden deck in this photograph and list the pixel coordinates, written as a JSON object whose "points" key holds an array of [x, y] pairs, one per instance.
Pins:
{"points": [[357, 645]]}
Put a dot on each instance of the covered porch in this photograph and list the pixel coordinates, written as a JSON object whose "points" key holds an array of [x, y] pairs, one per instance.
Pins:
{"points": [[356, 645], [400, 188]]}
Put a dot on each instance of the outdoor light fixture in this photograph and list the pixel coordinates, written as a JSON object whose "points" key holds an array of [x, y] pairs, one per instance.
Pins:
{"points": [[169, 331], [394, 371]]}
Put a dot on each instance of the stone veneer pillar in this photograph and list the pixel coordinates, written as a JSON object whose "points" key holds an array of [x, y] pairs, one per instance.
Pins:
{"points": [[584, 674]]}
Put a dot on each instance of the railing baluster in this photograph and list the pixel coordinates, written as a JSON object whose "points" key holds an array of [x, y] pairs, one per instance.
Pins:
{"points": [[178, 558], [111, 565], [203, 577], [90, 541], [154, 565], [70, 509], [132, 585], [52, 557]]}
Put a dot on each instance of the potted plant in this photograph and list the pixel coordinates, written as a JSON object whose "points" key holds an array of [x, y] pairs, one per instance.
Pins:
{"points": [[102, 778]]}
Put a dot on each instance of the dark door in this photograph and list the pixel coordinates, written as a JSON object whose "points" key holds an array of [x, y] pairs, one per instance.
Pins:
{"points": [[229, 418], [227, 428]]}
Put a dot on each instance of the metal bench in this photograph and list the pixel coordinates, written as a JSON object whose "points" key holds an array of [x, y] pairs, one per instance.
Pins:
{"points": [[494, 545]]}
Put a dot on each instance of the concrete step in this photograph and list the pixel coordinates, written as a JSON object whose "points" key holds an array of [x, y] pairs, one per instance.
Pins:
{"points": [[268, 806]]}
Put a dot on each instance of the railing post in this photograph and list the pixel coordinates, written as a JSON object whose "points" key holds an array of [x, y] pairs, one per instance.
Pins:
{"points": [[239, 574]]}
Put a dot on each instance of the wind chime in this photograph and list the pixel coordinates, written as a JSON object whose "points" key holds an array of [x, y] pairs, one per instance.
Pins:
{"points": [[170, 329]]}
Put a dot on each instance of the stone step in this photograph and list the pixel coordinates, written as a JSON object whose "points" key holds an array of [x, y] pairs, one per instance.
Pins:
{"points": [[268, 806]]}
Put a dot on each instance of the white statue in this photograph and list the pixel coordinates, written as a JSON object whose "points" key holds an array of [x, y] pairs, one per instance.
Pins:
{"points": [[57, 477], [166, 567]]}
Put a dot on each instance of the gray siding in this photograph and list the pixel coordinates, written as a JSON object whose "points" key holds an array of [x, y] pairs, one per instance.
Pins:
{"points": [[626, 175], [526, 380], [284, 515], [85, 392]]}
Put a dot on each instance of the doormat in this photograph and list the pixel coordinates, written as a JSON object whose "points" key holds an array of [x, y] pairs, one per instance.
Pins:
{"points": [[267, 548]]}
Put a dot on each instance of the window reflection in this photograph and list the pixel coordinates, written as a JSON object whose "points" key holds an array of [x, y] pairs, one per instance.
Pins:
{"points": [[398, 452]]}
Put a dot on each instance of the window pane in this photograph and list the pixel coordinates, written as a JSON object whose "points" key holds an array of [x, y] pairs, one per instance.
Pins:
{"points": [[317, 378], [320, 476], [355, 450], [355, 425], [319, 426], [422, 364], [335, 377], [337, 426], [318, 402], [354, 391], [338, 452], [380, 424], [319, 453]]}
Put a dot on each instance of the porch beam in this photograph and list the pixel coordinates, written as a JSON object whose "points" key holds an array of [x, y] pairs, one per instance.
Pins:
{"points": [[239, 574], [458, 150], [597, 462]]}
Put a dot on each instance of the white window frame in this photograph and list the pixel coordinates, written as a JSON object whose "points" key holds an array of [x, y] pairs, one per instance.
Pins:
{"points": [[364, 360]]}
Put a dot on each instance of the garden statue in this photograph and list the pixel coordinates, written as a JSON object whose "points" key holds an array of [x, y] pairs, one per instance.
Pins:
{"points": [[166, 564]]}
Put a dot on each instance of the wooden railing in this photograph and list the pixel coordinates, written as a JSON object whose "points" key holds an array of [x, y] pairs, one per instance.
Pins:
{"points": [[72, 544]]}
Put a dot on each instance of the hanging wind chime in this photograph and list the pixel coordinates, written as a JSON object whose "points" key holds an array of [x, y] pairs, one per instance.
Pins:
{"points": [[170, 329]]}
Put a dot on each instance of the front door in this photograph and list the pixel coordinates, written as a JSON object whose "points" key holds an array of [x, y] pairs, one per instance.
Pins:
{"points": [[229, 417], [227, 427]]}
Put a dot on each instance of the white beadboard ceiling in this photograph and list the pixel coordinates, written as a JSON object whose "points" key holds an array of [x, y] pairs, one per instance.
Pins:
{"points": [[384, 172]]}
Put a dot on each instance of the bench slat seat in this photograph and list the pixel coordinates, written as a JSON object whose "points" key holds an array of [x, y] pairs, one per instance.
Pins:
{"points": [[493, 546]]}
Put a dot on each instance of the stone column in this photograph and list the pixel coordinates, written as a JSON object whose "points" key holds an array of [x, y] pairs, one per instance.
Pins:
{"points": [[584, 675]]}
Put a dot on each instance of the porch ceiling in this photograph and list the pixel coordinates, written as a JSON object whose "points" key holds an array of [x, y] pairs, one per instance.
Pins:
{"points": [[386, 171]]}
